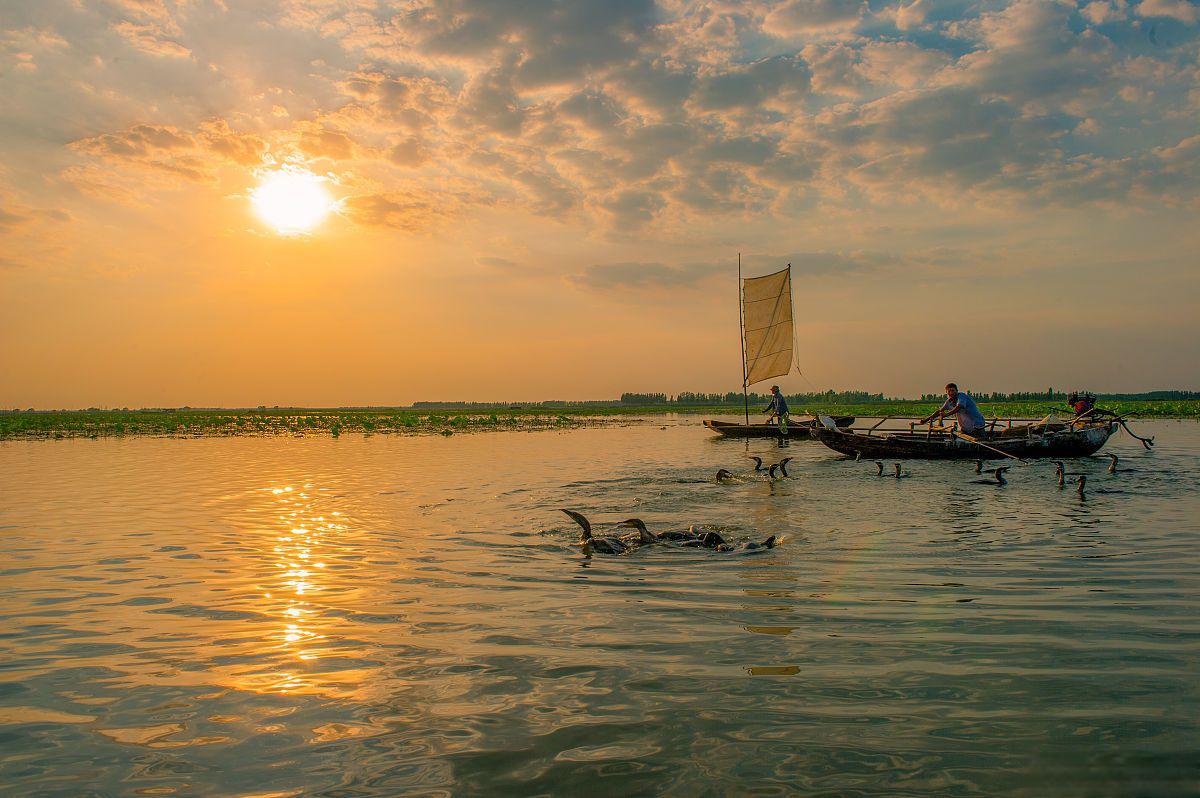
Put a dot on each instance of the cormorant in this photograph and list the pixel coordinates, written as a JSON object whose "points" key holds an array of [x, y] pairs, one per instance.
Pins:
{"points": [[999, 480], [604, 545]]}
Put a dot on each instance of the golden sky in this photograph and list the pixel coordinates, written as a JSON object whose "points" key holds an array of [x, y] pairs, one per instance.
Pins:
{"points": [[539, 199]]}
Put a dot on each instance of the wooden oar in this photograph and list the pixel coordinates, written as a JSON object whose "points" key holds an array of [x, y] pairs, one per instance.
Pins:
{"points": [[970, 439]]}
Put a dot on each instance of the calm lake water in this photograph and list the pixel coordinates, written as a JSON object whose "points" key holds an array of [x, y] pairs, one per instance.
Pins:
{"points": [[408, 616]]}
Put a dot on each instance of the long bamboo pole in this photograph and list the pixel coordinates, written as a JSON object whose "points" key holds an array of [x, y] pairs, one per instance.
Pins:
{"points": [[742, 340], [973, 440]]}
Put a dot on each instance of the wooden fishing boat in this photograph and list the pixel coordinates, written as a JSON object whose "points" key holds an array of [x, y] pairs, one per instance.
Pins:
{"points": [[797, 428], [1024, 439]]}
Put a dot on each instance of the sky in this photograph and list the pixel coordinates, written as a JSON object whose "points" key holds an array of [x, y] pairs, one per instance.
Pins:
{"points": [[547, 200]]}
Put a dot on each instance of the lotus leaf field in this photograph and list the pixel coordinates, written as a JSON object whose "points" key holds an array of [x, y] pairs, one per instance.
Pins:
{"points": [[336, 422]]}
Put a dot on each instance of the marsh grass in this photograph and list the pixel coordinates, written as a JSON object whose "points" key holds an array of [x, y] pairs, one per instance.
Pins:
{"points": [[188, 423], [301, 422]]}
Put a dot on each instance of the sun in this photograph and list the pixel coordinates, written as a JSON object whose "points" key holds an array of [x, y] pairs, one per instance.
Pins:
{"points": [[292, 201]]}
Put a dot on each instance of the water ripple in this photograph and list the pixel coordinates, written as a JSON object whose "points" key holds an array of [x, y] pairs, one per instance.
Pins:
{"points": [[385, 616]]}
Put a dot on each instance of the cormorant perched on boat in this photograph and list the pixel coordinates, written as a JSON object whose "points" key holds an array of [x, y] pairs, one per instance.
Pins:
{"points": [[879, 465], [899, 475], [604, 545], [758, 466], [783, 465], [999, 480], [646, 537], [723, 474]]}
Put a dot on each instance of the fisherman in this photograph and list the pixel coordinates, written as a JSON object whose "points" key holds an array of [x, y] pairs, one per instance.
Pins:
{"points": [[1081, 404], [970, 420], [778, 409]]}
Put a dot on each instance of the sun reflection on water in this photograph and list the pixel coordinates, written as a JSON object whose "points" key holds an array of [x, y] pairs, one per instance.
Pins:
{"points": [[300, 549]]}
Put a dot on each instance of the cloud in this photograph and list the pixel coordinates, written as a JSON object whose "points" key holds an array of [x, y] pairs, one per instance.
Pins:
{"points": [[396, 210], [656, 275], [411, 101], [1180, 10], [1102, 11], [824, 262], [594, 110], [626, 115], [138, 141], [498, 264], [610, 276], [490, 104], [558, 42], [246, 149], [634, 208], [149, 39], [124, 163], [149, 27], [912, 15], [9, 219], [808, 16], [653, 86], [326, 143], [776, 80], [410, 151]]}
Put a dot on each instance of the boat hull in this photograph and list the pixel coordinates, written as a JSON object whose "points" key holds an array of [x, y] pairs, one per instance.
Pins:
{"points": [[1060, 444], [796, 429]]}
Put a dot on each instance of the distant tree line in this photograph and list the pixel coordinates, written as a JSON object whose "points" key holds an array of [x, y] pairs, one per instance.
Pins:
{"points": [[796, 400], [1052, 394], [546, 403], [691, 398]]}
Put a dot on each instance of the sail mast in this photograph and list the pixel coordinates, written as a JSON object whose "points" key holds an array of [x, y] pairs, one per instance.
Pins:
{"points": [[742, 339]]}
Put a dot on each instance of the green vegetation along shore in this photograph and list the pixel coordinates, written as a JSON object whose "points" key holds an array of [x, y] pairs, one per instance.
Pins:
{"points": [[336, 422]]}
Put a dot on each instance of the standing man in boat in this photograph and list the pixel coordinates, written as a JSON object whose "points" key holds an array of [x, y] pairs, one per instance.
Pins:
{"points": [[970, 420], [778, 409]]}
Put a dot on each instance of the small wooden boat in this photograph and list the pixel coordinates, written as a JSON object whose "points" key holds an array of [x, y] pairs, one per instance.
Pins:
{"points": [[1033, 439], [797, 428]]}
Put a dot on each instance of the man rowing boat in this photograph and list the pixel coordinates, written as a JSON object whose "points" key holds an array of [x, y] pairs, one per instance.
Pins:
{"points": [[778, 409], [970, 420]]}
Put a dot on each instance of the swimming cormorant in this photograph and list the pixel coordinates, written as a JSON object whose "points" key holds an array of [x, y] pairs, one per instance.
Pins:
{"points": [[999, 480], [604, 545], [646, 537], [1112, 467]]}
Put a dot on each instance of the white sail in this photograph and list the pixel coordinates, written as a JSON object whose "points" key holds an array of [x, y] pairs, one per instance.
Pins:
{"points": [[767, 325]]}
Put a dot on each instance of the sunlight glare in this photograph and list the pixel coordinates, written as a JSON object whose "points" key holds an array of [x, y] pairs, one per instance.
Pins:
{"points": [[291, 201]]}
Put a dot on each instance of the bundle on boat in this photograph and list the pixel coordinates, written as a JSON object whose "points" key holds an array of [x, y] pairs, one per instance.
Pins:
{"points": [[1002, 438]]}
